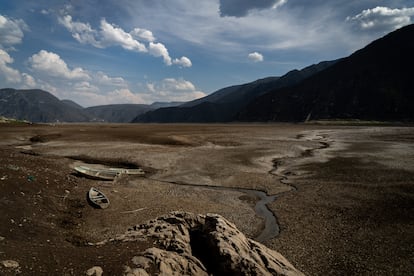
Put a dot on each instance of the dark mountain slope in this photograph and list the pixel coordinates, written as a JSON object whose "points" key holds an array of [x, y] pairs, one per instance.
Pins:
{"points": [[38, 106], [117, 113], [374, 83], [224, 104], [156, 105], [72, 103]]}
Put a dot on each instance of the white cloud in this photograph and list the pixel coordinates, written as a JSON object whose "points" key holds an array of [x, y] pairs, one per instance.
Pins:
{"points": [[104, 79], [28, 81], [171, 89], [85, 86], [255, 57], [124, 96], [11, 31], [112, 35], [143, 34], [183, 61], [108, 35], [159, 50], [82, 32], [383, 18], [89, 97], [178, 85], [52, 65], [11, 75]]}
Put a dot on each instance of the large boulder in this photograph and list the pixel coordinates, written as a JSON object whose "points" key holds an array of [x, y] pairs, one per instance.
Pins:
{"points": [[189, 244]]}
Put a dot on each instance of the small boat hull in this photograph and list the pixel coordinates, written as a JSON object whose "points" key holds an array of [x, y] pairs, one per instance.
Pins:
{"points": [[107, 173], [98, 199]]}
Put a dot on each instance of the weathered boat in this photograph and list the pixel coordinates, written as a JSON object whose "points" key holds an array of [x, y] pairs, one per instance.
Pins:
{"points": [[97, 198], [106, 173]]}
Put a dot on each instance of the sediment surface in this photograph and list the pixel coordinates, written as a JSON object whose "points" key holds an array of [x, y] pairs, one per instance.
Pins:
{"points": [[343, 195]]}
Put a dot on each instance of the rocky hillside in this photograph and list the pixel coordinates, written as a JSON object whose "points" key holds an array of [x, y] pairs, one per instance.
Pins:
{"points": [[117, 113], [38, 106], [42, 107], [374, 83], [224, 104], [189, 244]]}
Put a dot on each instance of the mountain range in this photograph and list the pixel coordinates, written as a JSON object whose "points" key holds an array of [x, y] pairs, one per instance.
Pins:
{"points": [[36, 105], [374, 83], [225, 104]]}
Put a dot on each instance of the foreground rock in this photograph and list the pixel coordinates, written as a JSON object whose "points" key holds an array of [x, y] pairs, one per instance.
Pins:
{"points": [[188, 244]]}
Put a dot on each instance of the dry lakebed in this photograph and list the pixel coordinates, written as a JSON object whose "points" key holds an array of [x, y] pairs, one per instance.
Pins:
{"points": [[332, 199]]}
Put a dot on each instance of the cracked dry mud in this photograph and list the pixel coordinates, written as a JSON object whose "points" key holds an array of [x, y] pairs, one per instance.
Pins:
{"points": [[344, 195]]}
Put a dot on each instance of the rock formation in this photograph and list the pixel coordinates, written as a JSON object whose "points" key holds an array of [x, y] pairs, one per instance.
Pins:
{"points": [[189, 244]]}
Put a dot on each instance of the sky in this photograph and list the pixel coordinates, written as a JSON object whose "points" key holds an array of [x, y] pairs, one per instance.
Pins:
{"points": [[98, 52]]}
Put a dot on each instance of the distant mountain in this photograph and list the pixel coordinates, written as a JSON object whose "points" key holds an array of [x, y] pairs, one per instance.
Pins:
{"points": [[157, 105], [42, 107], [374, 83], [38, 106], [117, 113], [72, 103], [224, 104]]}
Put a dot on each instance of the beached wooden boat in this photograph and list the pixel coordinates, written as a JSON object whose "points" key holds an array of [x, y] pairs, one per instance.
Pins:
{"points": [[97, 198], [107, 173]]}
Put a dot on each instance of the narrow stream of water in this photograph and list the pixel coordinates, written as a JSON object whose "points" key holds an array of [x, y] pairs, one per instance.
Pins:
{"points": [[271, 227]]}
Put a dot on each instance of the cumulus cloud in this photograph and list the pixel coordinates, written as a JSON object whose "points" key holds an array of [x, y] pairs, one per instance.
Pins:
{"points": [[8, 73], [85, 86], [28, 81], [104, 79], [82, 32], [255, 57], [124, 96], [240, 8], [143, 34], [383, 18], [171, 89], [11, 31], [159, 50], [183, 61], [112, 35], [108, 35], [51, 64]]}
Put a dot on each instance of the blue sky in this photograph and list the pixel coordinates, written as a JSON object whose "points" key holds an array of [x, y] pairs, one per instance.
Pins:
{"points": [[139, 51]]}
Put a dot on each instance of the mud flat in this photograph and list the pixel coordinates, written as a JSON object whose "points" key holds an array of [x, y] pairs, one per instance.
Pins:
{"points": [[341, 196]]}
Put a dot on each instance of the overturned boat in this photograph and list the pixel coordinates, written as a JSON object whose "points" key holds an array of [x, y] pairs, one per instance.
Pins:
{"points": [[97, 198], [107, 173]]}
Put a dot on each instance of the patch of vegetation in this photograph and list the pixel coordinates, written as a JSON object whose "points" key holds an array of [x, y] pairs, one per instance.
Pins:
{"points": [[5, 120]]}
